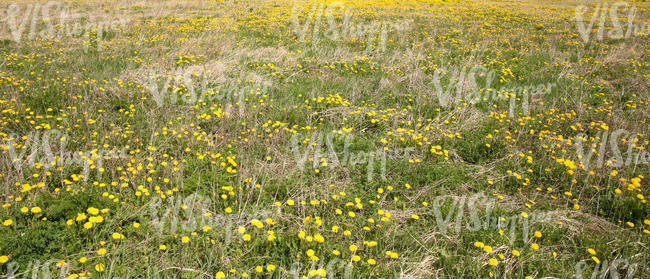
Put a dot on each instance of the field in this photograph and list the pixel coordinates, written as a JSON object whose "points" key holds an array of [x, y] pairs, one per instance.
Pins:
{"points": [[324, 139]]}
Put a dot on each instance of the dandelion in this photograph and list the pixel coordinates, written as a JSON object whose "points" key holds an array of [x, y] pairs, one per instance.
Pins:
{"points": [[271, 236], [92, 211], [257, 223], [391, 254], [99, 267], [493, 262]]}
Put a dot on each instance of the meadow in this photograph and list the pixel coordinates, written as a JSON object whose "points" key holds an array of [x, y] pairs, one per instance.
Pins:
{"points": [[324, 139]]}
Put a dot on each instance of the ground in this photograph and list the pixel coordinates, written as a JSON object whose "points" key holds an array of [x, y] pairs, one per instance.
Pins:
{"points": [[310, 139]]}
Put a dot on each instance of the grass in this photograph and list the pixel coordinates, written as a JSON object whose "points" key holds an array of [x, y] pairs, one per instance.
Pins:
{"points": [[204, 191]]}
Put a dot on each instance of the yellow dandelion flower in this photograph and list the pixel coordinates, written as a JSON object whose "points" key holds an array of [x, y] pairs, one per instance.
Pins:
{"points": [[99, 267], [92, 211], [487, 249]]}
